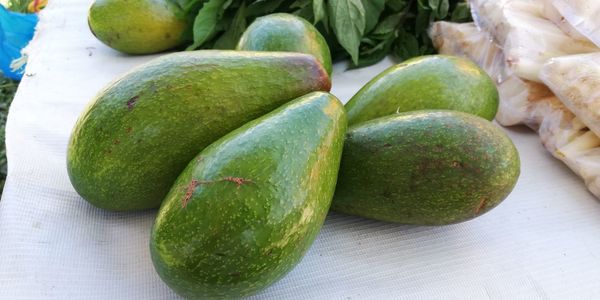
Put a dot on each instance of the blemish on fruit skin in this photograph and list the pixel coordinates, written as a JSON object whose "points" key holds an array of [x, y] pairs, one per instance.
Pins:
{"points": [[237, 180], [131, 102], [480, 205], [457, 164], [194, 183], [189, 191]]}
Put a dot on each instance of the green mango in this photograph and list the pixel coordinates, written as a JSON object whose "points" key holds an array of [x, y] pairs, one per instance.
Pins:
{"points": [[247, 208], [286, 32], [138, 134], [138, 26], [427, 82], [425, 168]]}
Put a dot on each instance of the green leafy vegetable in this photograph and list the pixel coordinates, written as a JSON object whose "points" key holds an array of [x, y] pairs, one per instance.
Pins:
{"points": [[318, 10], [348, 19], [363, 30], [206, 21]]}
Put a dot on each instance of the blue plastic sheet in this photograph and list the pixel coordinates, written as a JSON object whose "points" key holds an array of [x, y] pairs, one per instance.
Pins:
{"points": [[16, 30]]}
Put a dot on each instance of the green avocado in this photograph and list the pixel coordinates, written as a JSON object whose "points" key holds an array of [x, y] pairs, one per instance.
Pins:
{"points": [[286, 32], [425, 168], [247, 208], [427, 82], [138, 26], [138, 134]]}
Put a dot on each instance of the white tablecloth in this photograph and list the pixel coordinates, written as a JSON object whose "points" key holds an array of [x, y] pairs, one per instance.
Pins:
{"points": [[543, 242]]}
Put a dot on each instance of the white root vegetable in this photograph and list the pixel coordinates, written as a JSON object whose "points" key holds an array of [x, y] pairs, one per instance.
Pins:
{"points": [[516, 95], [583, 15], [576, 81], [562, 133], [551, 13], [525, 36]]}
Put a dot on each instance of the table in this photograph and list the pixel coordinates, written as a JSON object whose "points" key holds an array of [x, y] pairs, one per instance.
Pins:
{"points": [[543, 242]]}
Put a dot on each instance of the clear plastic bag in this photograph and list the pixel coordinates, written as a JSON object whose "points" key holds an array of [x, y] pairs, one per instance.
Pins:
{"points": [[527, 38], [582, 15], [563, 134]]}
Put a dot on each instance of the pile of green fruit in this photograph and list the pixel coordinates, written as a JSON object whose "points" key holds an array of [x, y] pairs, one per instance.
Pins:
{"points": [[364, 31], [246, 151]]}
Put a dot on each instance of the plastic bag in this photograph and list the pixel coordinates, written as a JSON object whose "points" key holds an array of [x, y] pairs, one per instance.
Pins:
{"points": [[16, 30]]}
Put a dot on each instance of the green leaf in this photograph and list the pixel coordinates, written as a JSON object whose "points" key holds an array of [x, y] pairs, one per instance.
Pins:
{"points": [[407, 46], [373, 55], [206, 20], [318, 10], [434, 5], [305, 12], [389, 24], [443, 9], [422, 21], [397, 5], [263, 7], [373, 9], [348, 20], [461, 13], [300, 4], [232, 35]]}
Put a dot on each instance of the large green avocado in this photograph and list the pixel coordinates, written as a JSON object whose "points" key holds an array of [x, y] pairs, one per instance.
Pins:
{"points": [[286, 32], [137, 135], [138, 26], [427, 82], [425, 168], [248, 207]]}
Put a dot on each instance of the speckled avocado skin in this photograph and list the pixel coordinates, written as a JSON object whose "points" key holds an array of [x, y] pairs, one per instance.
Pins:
{"points": [[248, 207], [138, 26], [139, 133], [427, 82], [425, 168], [286, 32]]}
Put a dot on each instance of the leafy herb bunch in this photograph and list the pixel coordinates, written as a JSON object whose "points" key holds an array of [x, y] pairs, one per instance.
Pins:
{"points": [[364, 30]]}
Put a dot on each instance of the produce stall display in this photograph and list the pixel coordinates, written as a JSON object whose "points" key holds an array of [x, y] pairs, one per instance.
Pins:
{"points": [[222, 168], [545, 69]]}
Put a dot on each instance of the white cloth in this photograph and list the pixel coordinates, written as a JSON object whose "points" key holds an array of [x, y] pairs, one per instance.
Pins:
{"points": [[543, 242]]}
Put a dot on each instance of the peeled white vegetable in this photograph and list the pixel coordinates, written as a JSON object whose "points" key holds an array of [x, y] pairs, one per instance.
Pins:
{"points": [[516, 94], [551, 13], [562, 133], [526, 37], [583, 15], [576, 81]]}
